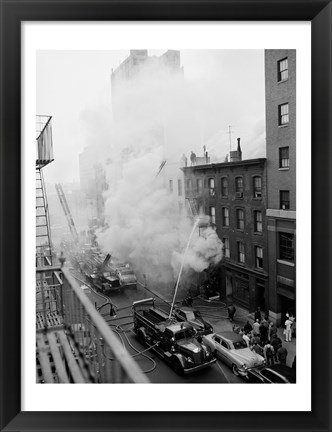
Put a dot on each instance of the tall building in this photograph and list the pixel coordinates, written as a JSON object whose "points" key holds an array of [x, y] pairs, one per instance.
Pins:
{"points": [[138, 70], [280, 93], [233, 194]]}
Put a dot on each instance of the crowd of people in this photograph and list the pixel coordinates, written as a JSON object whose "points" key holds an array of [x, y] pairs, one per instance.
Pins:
{"points": [[262, 336]]}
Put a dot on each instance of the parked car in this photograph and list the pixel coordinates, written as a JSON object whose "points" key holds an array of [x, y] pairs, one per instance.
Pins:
{"points": [[195, 318], [126, 275], [233, 350], [273, 374]]}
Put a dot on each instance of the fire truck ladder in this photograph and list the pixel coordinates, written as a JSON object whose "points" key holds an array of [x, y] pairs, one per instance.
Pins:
{"points": [[43, 231], [67, 213], [193, 206]]}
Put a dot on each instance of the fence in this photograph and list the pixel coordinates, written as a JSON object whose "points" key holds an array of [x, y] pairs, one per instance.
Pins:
{"points": [[91, 344]]}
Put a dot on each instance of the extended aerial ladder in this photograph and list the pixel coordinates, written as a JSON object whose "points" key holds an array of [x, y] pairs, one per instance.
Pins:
{"points": [[66, 210], [193, 206]]}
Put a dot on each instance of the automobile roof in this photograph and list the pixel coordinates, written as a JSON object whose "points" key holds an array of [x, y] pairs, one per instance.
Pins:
{"points": [[229, 335]]}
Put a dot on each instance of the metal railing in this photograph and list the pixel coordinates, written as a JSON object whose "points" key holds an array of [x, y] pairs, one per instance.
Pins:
{"points": [[44, 140], [100, 352]]}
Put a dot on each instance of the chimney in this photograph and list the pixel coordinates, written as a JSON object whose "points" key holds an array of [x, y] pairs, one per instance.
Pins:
{"points": [[236, 156]]}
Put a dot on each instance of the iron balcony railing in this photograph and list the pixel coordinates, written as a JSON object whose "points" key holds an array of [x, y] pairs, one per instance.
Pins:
{"points": [[44, 140], [74, 343]]}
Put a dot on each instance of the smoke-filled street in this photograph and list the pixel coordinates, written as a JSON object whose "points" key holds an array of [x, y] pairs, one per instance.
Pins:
{"points": [[168, 216]]}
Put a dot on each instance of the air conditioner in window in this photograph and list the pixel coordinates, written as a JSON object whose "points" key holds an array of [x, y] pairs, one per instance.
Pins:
{"points": [[239, 194], [258, 194]]}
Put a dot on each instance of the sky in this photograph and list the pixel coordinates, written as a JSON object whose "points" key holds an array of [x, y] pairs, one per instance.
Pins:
{"points": [[221, 88]]}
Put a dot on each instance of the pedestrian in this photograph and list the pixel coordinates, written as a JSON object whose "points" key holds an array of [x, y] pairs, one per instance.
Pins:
{"points": [[248, 327], [112, 310], [231, 312], [276, 343], [282, 354], [255, 326], [263, 332], [258, 314], [257, 349], [246, 338], [272, 330], [255, 339], [288, 330], [62, 259], [269, 353]]}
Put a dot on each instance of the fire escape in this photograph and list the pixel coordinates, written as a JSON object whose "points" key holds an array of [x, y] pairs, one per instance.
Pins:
{"points": [[73, 342]]}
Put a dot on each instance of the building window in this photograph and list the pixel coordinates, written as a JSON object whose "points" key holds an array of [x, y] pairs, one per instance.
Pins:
{"points": [[284, 200], [199, 185], [258, 187], [225, 217], [211, 187], [240, 219], [180, 187], [213, 215], [286, 246], [283, 114], [258, 221], [239, 187], [188, 185], [284, 157], [171, 185], [283, 69], [225, 241], [258, 257], [224, 187], [240, 253]]}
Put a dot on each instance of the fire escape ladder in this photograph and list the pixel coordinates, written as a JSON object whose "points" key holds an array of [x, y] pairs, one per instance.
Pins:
{"points": [[43, 231]]}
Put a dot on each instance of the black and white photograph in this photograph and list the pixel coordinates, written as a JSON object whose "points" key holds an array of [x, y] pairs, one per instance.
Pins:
{"points": [[174, 238], [166, 216]]}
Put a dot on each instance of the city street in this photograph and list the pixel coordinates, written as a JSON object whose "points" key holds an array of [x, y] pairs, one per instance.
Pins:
{"points": [[156, 369]]}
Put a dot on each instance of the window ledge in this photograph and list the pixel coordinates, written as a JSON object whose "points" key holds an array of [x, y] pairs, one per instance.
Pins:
{"points": [[282, 81], [258, 233], [284, 169], [288, 263], [283, 126]]}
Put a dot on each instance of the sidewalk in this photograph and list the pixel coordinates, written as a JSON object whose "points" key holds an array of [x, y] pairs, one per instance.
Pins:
{"points": [[241, 317]]}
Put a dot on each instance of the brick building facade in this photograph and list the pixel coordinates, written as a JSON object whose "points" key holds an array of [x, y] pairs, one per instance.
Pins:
{"points": [[234, 195], [280, 85]]}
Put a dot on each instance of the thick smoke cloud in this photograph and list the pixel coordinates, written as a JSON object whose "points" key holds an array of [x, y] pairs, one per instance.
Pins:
{"points": [[145, 226]]}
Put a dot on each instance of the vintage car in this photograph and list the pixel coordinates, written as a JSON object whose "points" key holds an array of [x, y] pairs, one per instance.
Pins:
{"points": [[126, 275], [273, 374], [195, 318], [231, 349]]}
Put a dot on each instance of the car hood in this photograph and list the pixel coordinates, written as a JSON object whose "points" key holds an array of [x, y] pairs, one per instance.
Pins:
{"points": [[250, 358], [190, 344]]}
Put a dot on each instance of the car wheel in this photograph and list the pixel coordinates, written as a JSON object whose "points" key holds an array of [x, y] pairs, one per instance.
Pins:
{"points": [[235, 370], [177, 367]]}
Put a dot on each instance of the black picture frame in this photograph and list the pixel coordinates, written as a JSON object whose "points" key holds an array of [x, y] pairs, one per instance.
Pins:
{"points": [[13, 12]]}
